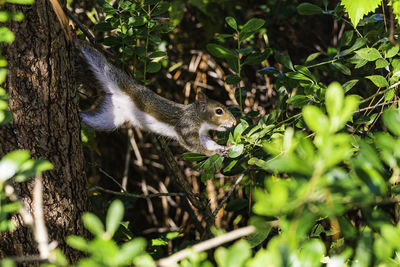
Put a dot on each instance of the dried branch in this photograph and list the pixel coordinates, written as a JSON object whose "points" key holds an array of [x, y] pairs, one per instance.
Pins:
{"points": [[200, 203], [227, 195], [35, 222], [80, 26], [113, 179], [40, 230], [127, 161], [126, 194], [206, 245]]}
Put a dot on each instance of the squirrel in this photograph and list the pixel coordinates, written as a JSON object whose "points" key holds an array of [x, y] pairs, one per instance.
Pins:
{"points": [[126, 100]]}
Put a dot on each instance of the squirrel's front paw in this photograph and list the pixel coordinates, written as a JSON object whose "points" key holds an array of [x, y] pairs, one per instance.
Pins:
{"points": [[223, 151]]}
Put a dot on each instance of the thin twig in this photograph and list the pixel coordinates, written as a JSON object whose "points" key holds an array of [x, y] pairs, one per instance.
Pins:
{"points": [[126, 194], [206, 245], [80, 26], [139, 159], [113, 179], [40, 230], [227, 195], [375, 106], [381, 92], [150, 206], [127, 161]]}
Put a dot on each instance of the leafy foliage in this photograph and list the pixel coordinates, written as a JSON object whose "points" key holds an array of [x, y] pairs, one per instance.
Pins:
{"points": [[320, 171], [103, 250], [136, 27]]}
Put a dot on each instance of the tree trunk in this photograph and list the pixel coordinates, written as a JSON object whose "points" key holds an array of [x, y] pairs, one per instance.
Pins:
{"points": [[44, 103]]}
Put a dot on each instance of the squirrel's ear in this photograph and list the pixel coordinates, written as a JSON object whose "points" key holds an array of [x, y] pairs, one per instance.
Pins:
{"points": [[201, 98]]}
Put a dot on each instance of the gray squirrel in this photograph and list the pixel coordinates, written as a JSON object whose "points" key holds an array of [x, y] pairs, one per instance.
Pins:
{"points": [[127, 101]]}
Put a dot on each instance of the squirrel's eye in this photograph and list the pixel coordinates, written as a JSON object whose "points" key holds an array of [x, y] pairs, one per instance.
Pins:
{"points": [[219, 111]]}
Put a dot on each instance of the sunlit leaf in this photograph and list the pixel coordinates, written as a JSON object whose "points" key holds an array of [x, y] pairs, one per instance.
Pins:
{"points": [[357, 9]]}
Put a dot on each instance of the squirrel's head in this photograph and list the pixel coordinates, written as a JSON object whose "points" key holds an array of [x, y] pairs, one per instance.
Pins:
{"points": [[217, 116]]}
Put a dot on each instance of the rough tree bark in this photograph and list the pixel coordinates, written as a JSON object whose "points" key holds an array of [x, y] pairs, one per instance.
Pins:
{"points": [[44, 103]]}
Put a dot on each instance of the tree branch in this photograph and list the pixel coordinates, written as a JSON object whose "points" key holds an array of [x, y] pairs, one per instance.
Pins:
{"points": [[126, 194], [200, 203], [227, 195], [206, 245]]}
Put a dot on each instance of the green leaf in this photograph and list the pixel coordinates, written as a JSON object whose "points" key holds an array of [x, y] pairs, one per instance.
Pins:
{"points": [[360, 42], [231, 22], [8, 15], [298, 101], [342, 68], [383, 250], [257, 58], [6, 36], [334, 99], [172, 235], [236, 150], [155, 39], [233, 64], [220, 52], [358, 8], [381, 63], [370, 54], [245, 35], [389, 95], [93, 224], [130, 250], [137, 21], [313, 56], [114, 216], [245, 51], [312, 252], [77, 242], [160, 9], [6, 262], [153, 67], [159, 242], [378, 80], [315, 119], [298, 76], [164, 27], [349, 84], [232, 79], [309, 9], [190, 156], [253, 25], [235, 256], [18, 157], [107, 8], [285, 61], [21, 2], [103, 27], [31, 168], [391, 51], [177, 11], [239, 129], [263, 228], [391, 118]]}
